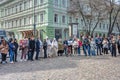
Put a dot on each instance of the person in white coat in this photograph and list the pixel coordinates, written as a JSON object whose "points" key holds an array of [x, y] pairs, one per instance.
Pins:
{"points": [[48, 46], [54, 48]]}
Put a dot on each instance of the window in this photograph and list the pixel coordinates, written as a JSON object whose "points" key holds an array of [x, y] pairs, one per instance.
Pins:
{"points": [[82, 21], [56, 18], [8, 11], [100, 25], [41, 18], [70, 19], [20, 6], [103, 26], [56, 2], [63, 19], [30, 20], [8, 24], [76, 20], [12, 9], [1, 24], [2, 12], [41, 1], [31, 3], [16, 23], [20, 22], [16, 8], [25, 22], [64, 3], [35, 2], [5, 12], [12, 23], [25, 5]]}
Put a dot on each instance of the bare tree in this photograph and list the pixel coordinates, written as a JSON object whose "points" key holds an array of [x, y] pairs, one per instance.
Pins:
{"points": [[91, 12], [113, 10]]}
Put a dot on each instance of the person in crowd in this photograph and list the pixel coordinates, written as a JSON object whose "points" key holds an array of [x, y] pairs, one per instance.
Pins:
{"points": [[11, 50], [113, 47], [32, 48], [4, 50], [118, 45], [45, 48], [110, 43], [98, 42], [102, 50], [60, 47], [70, 42], [105, 46], [65, 43], [54, 48], [93, 47], [79, 46], [24, 48], [86, 45], [75, 46], [49, 45], [16, 49], [37, 48], [28, 53]]}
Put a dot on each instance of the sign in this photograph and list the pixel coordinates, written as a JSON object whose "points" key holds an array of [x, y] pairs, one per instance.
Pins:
{"points": [[75, 30]]}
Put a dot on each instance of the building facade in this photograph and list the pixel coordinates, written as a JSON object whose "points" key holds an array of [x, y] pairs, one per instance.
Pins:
{"points": [[49, 16]]}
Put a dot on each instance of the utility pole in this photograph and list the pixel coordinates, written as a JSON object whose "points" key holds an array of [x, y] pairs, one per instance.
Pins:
{"points": [[34, 25]]}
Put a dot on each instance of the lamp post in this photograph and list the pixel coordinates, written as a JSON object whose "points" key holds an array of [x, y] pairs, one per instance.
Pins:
{"points": [[34, 25]]}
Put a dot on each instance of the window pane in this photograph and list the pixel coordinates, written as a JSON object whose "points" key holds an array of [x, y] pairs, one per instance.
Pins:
{"points": [[55, 18], [41, 17]]}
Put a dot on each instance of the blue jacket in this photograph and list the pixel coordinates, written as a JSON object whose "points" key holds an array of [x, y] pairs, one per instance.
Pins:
{"points": [[98, 41], [37, 44], [65, 42], [11, 47]]}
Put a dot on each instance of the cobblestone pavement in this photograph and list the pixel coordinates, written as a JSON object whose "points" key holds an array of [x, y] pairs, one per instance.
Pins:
{"points": [[64, 68]]}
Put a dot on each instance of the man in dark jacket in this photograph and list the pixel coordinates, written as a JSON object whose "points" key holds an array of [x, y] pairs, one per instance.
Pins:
{"points": [[98, 42], [45, 48], [15, 50], [37, 48], [31, 48]]}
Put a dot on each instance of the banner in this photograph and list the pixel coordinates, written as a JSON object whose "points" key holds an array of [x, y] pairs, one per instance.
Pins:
{"points": [[75, 30]]}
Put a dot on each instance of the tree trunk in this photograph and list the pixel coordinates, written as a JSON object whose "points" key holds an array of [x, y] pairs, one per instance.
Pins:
{"points": [[98, 19]]}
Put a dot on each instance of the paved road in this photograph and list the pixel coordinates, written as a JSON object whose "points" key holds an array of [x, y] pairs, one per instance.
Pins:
{"points": [[64, 68]]}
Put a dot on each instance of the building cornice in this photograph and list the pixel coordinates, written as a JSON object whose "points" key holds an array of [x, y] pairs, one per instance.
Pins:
{"points": [[5, 2]]}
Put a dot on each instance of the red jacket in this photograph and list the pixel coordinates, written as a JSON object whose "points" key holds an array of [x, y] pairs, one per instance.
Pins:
{"points": [[80, 43]]}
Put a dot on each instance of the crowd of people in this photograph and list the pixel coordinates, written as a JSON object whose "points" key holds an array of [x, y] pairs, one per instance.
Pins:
{"points": [[30, 47]]}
